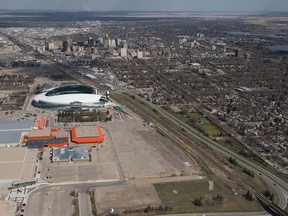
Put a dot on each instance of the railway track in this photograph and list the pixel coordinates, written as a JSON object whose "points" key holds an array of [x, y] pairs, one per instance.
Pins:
{"points": [[187, 142]]}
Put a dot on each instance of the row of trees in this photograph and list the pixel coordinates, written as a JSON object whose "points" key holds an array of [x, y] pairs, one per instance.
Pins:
{"points": [[248, 172], [83, 116], [208, 201], [267, 193]]}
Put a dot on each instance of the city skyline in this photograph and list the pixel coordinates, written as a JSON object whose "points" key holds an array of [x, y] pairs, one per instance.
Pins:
{"points": [[149, 5]]}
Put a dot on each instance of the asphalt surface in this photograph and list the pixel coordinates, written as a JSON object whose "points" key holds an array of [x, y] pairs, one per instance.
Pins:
{"points": [[84, 204], [34, 199]]}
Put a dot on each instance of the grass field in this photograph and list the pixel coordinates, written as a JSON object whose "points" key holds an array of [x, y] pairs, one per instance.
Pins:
{"points": [[60, 77], [256, 182], [199, 121], [209, 128], [180, 194]]}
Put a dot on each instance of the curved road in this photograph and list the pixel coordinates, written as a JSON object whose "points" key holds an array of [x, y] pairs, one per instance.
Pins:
{"points": [[280, 186]]}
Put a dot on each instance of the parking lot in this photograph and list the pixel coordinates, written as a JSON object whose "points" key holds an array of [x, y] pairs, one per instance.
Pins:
{"points": [[101, 167], [55, 201], [142, 152], [16, 164]]}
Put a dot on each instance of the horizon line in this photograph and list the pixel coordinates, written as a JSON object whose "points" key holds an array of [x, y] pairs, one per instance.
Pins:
{"points": [[145, 11]]}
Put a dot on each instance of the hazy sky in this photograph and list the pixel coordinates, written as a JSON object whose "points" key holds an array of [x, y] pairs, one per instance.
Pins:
{"points": [[155, 5]]}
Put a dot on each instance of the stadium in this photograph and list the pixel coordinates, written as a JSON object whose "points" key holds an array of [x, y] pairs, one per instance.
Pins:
{"points": [[70, 96]]}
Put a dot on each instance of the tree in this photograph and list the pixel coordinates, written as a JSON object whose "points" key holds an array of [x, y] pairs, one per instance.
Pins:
{"points": [[249, 196], [267, 193]]}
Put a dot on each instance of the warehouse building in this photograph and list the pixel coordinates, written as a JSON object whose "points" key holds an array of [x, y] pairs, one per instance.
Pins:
{"points": [[11, 131], [78, 153], [48, 137], [51, 142]]}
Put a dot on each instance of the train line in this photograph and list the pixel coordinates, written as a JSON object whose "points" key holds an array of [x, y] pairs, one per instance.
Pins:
{"points": [[188, 143], [164, 124]]}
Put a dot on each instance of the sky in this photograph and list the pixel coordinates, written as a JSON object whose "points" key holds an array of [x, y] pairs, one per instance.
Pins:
{"points": [[148, 5]]}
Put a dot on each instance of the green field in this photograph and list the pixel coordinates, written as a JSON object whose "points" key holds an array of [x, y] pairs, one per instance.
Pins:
{"points": [[256, 182], [60, 77], [197, 120], [180, 195], [209, 128]]}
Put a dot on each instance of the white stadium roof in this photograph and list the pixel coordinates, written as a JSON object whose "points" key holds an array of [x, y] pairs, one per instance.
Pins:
{"points": [[67, 99]]}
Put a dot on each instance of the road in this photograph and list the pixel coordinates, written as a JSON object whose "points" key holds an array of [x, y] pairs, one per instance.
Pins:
{"points": [[281, 186], [267, 176], [84, 203], [47, 199], [39, 196]]}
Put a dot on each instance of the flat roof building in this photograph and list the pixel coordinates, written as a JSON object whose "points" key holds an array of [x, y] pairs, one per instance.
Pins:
{"points": [[78, 153], [87, 134], [11, 131], [40, 134], [52, 142]]}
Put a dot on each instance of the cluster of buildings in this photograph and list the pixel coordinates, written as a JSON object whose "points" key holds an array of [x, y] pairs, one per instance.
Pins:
{"points": [[36, 134], [91, 49], [43, 136], [217, 65]]}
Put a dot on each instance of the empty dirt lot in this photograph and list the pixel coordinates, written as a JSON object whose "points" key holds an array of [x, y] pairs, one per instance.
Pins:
{"points": [[16, 164]]}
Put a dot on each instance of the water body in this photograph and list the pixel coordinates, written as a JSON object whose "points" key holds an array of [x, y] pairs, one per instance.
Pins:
{"points": [[278, 48]]}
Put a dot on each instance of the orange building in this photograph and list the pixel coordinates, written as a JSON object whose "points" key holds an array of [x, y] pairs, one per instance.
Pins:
{"points": [[87, 134], [52, 142], [40, 123], [47, 137], [40, 134]]}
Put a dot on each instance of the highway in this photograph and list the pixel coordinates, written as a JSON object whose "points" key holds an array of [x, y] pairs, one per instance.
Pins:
{"points": [[267, 176], [243, 161], [280, 186]]}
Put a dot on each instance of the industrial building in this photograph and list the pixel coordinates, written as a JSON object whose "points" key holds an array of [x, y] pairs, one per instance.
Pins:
{"points": [[87, 134], [65, 97], [50, 142], [78, 153], [11, 131], [47, 137]]}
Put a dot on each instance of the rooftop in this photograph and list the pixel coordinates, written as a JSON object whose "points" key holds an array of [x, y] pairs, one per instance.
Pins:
{"points": [[11, 131], [40, 133], [67, 153], [86, 131], [40, 143]]}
